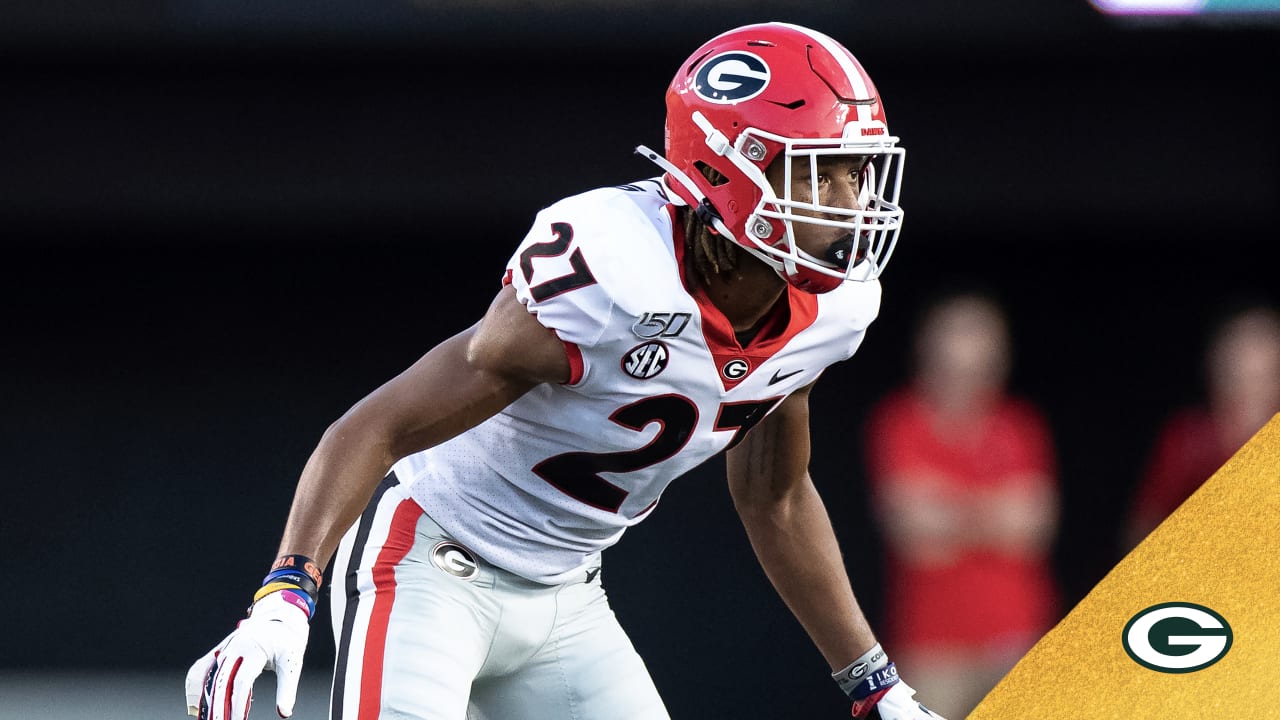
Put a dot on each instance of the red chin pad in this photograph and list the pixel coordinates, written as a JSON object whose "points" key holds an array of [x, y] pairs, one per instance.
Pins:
{"points": [[812, 281]]}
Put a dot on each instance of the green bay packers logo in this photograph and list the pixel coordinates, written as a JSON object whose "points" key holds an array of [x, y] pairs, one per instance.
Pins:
{"points": [[731, 77], [1177, 637]]}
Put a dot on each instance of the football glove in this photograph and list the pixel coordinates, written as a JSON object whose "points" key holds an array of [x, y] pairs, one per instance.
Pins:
{"points": [[219, 685], [897, 703]]}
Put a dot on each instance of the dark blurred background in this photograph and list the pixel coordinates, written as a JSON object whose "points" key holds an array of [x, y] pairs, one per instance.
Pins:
{"points": [[223, 223]]}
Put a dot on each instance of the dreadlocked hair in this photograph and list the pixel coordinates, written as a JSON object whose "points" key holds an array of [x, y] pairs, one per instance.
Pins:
{"points": [[707, 252]]}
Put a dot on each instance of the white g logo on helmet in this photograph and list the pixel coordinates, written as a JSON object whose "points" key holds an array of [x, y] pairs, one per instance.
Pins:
{"points": [[731, 77], [1177, 637]]}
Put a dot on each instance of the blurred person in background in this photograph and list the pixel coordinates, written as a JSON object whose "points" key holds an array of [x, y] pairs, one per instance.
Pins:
{"points": [[964, 487], [1242, 392]]}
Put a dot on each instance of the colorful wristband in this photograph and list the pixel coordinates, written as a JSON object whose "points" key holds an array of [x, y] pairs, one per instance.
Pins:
{"points": [[300, 563], [269, 588], [297, 578], [293, 577], [302, 601]]}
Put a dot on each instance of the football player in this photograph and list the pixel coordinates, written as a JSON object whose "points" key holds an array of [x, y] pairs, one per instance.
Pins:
{"points": [[638, 331]]}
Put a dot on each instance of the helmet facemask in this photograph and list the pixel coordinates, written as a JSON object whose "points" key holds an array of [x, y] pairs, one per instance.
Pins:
{"points": [[872, 223]]}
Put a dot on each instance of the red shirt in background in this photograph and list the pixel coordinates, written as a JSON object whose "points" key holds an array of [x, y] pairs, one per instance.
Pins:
{"points": [[984, 598], [1188, 451]]}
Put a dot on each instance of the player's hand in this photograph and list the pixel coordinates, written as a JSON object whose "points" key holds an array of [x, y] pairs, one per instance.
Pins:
{"points": [[897, 703], [220, 685]]}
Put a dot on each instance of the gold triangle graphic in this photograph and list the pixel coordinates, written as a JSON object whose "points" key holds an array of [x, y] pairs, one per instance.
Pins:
{"points": [[1219, 550]]}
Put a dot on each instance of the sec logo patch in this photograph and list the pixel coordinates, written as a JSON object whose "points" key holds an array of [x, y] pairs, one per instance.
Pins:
{"points": [[1177, 637], [645, 361]]}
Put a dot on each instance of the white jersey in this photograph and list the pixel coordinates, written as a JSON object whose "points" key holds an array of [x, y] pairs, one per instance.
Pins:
{"points": [[659, 384]]}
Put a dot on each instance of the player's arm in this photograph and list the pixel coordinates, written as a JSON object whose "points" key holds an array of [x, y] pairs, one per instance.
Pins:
{"points": [[787, 524], [455, 386], [789, 530]]}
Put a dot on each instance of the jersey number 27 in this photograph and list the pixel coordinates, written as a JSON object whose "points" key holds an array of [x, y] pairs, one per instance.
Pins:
{"points": [[577, 474]]}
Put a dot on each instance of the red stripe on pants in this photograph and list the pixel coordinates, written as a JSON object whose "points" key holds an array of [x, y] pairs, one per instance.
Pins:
{"points": [[399, 540]]}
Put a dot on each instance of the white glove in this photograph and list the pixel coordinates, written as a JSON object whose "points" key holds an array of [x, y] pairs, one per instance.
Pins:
{"points": [[274, 637], [899, 704]]}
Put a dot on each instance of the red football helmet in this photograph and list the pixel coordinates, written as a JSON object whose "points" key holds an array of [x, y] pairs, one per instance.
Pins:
{"points": [[759, 92]]}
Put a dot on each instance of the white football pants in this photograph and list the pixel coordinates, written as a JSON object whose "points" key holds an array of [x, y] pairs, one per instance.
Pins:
{"points": [[426, 630]]}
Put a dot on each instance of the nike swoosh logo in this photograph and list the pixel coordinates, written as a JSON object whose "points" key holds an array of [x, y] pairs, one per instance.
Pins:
{"points": [[778, 376], [591, 574]]}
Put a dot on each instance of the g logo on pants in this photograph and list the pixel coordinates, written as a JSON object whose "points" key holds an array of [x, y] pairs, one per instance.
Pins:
{"points": [[1177, 637], [455, 560]]}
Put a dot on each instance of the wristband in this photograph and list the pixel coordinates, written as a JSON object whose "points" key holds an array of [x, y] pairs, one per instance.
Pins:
{"points": [[269, 588], [852, 677], [300, 601], [299, 563], [293, 577], [296, 578], [876, 683]]}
